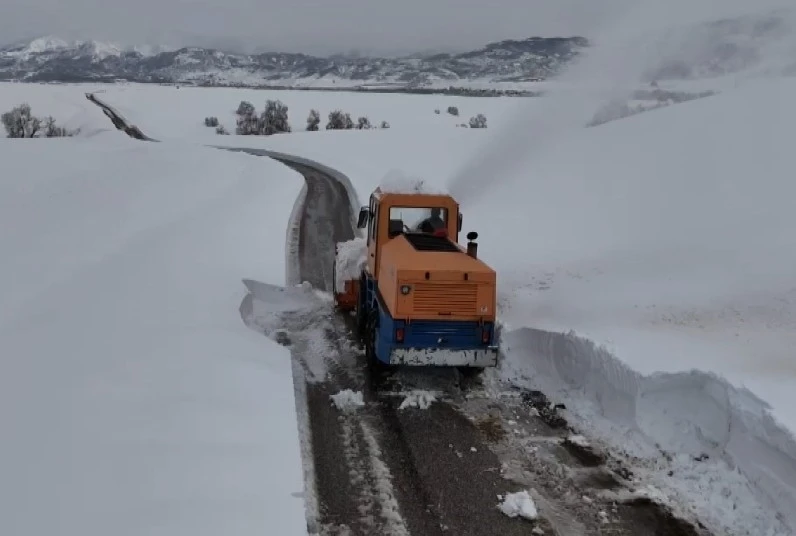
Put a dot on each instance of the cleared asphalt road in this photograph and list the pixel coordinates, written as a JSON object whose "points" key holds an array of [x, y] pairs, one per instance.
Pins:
{"points": [[386, 471]]}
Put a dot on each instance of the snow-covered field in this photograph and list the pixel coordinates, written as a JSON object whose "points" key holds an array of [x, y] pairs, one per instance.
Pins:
{"points": [[133, 399], [666, 237]]}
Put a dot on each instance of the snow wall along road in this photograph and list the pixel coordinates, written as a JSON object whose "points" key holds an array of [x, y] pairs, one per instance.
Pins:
{"points": [[690, 413]]}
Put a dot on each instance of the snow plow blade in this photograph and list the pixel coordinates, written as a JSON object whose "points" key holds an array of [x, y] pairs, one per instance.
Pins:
{"points": [[347, 299]]}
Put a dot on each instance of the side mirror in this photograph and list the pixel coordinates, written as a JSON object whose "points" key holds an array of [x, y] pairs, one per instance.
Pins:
{"points": [[364, 214], [472, 235], [459, 223]]}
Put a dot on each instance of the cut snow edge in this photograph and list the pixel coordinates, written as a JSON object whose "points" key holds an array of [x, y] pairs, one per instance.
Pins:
{"points": [[689, 414]]}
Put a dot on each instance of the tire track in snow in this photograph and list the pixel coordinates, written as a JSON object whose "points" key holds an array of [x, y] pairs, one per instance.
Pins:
{"points": [[390, 511]]}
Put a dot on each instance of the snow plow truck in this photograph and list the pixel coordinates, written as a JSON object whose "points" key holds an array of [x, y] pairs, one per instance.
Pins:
{"points": [[419, 298]]}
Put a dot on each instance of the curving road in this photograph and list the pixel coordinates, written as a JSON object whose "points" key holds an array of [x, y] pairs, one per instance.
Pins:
{"points": [[382, 470], [439, 471]]}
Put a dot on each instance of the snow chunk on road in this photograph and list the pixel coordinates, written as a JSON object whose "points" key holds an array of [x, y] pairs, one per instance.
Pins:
{"points": [[418, 399], [579, 440], [519, 504], [351, 258], [347, 400]]}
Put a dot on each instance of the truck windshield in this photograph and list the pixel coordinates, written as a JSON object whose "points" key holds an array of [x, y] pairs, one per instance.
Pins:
{"points": [[414, 217]]}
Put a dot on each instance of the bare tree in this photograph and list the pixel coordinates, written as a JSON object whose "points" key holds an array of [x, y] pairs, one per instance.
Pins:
{"points": [[247, 123], [479, 121], [338, 120], [51, 130], [363, 123], [20, 123], [274, 118], [313, 120]]}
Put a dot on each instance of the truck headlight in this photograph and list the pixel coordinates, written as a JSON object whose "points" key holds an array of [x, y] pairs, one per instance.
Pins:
{"points": [[405, 289]]}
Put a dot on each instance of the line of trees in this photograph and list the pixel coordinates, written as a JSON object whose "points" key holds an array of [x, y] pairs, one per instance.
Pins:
{"points": [[274, 120], [477, 121]]}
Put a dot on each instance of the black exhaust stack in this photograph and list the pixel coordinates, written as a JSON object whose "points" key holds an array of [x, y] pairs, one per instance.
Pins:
{"points": [[472, 247]]}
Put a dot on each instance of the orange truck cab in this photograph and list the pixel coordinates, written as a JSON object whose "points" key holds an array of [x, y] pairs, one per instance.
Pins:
{"points": [[420, 298]]}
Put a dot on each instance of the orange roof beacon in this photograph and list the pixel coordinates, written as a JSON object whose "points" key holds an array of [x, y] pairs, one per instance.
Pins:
{"points": [[419, 297]]}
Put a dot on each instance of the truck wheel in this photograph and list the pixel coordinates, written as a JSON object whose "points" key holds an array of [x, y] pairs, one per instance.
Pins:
{"points": [[371, 325]]}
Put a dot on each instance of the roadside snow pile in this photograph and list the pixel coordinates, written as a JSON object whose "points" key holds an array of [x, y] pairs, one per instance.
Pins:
{"points": [[352, 256], [347, 400], [519, 504], [132, 395], [711, 434], [418, 399]]}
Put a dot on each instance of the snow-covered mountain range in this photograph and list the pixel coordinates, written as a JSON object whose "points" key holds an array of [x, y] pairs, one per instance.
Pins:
{"points": [[53, 59], [760, 42]]}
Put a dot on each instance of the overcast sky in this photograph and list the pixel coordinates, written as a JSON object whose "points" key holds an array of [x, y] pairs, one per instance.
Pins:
{"points": [[330, 26], [384, 26]]}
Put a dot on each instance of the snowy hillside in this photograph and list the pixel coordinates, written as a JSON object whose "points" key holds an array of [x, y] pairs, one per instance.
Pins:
{"points": [[133, 399]]}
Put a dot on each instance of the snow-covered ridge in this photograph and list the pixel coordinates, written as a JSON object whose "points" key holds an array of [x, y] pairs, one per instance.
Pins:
{"points": [[55, 46], [55, 59]]}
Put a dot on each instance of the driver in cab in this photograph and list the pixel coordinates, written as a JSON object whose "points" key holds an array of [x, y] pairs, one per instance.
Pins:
{"points": [[434, 224]]}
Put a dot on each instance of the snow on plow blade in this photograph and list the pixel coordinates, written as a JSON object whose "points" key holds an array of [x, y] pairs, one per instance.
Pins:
{"points": [[445, 357], [266, 306]]}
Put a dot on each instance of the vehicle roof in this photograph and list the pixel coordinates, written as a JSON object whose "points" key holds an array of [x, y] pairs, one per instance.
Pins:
{"points": [[420, 199], [412, 259]]}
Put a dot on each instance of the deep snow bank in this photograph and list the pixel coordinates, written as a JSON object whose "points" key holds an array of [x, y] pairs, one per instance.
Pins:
{"points": [[670, 230], [132, 396], [729, 461], [669, 240]]}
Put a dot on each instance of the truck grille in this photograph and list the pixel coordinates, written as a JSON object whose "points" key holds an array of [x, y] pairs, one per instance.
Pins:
{"points": [[433, 298]]}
